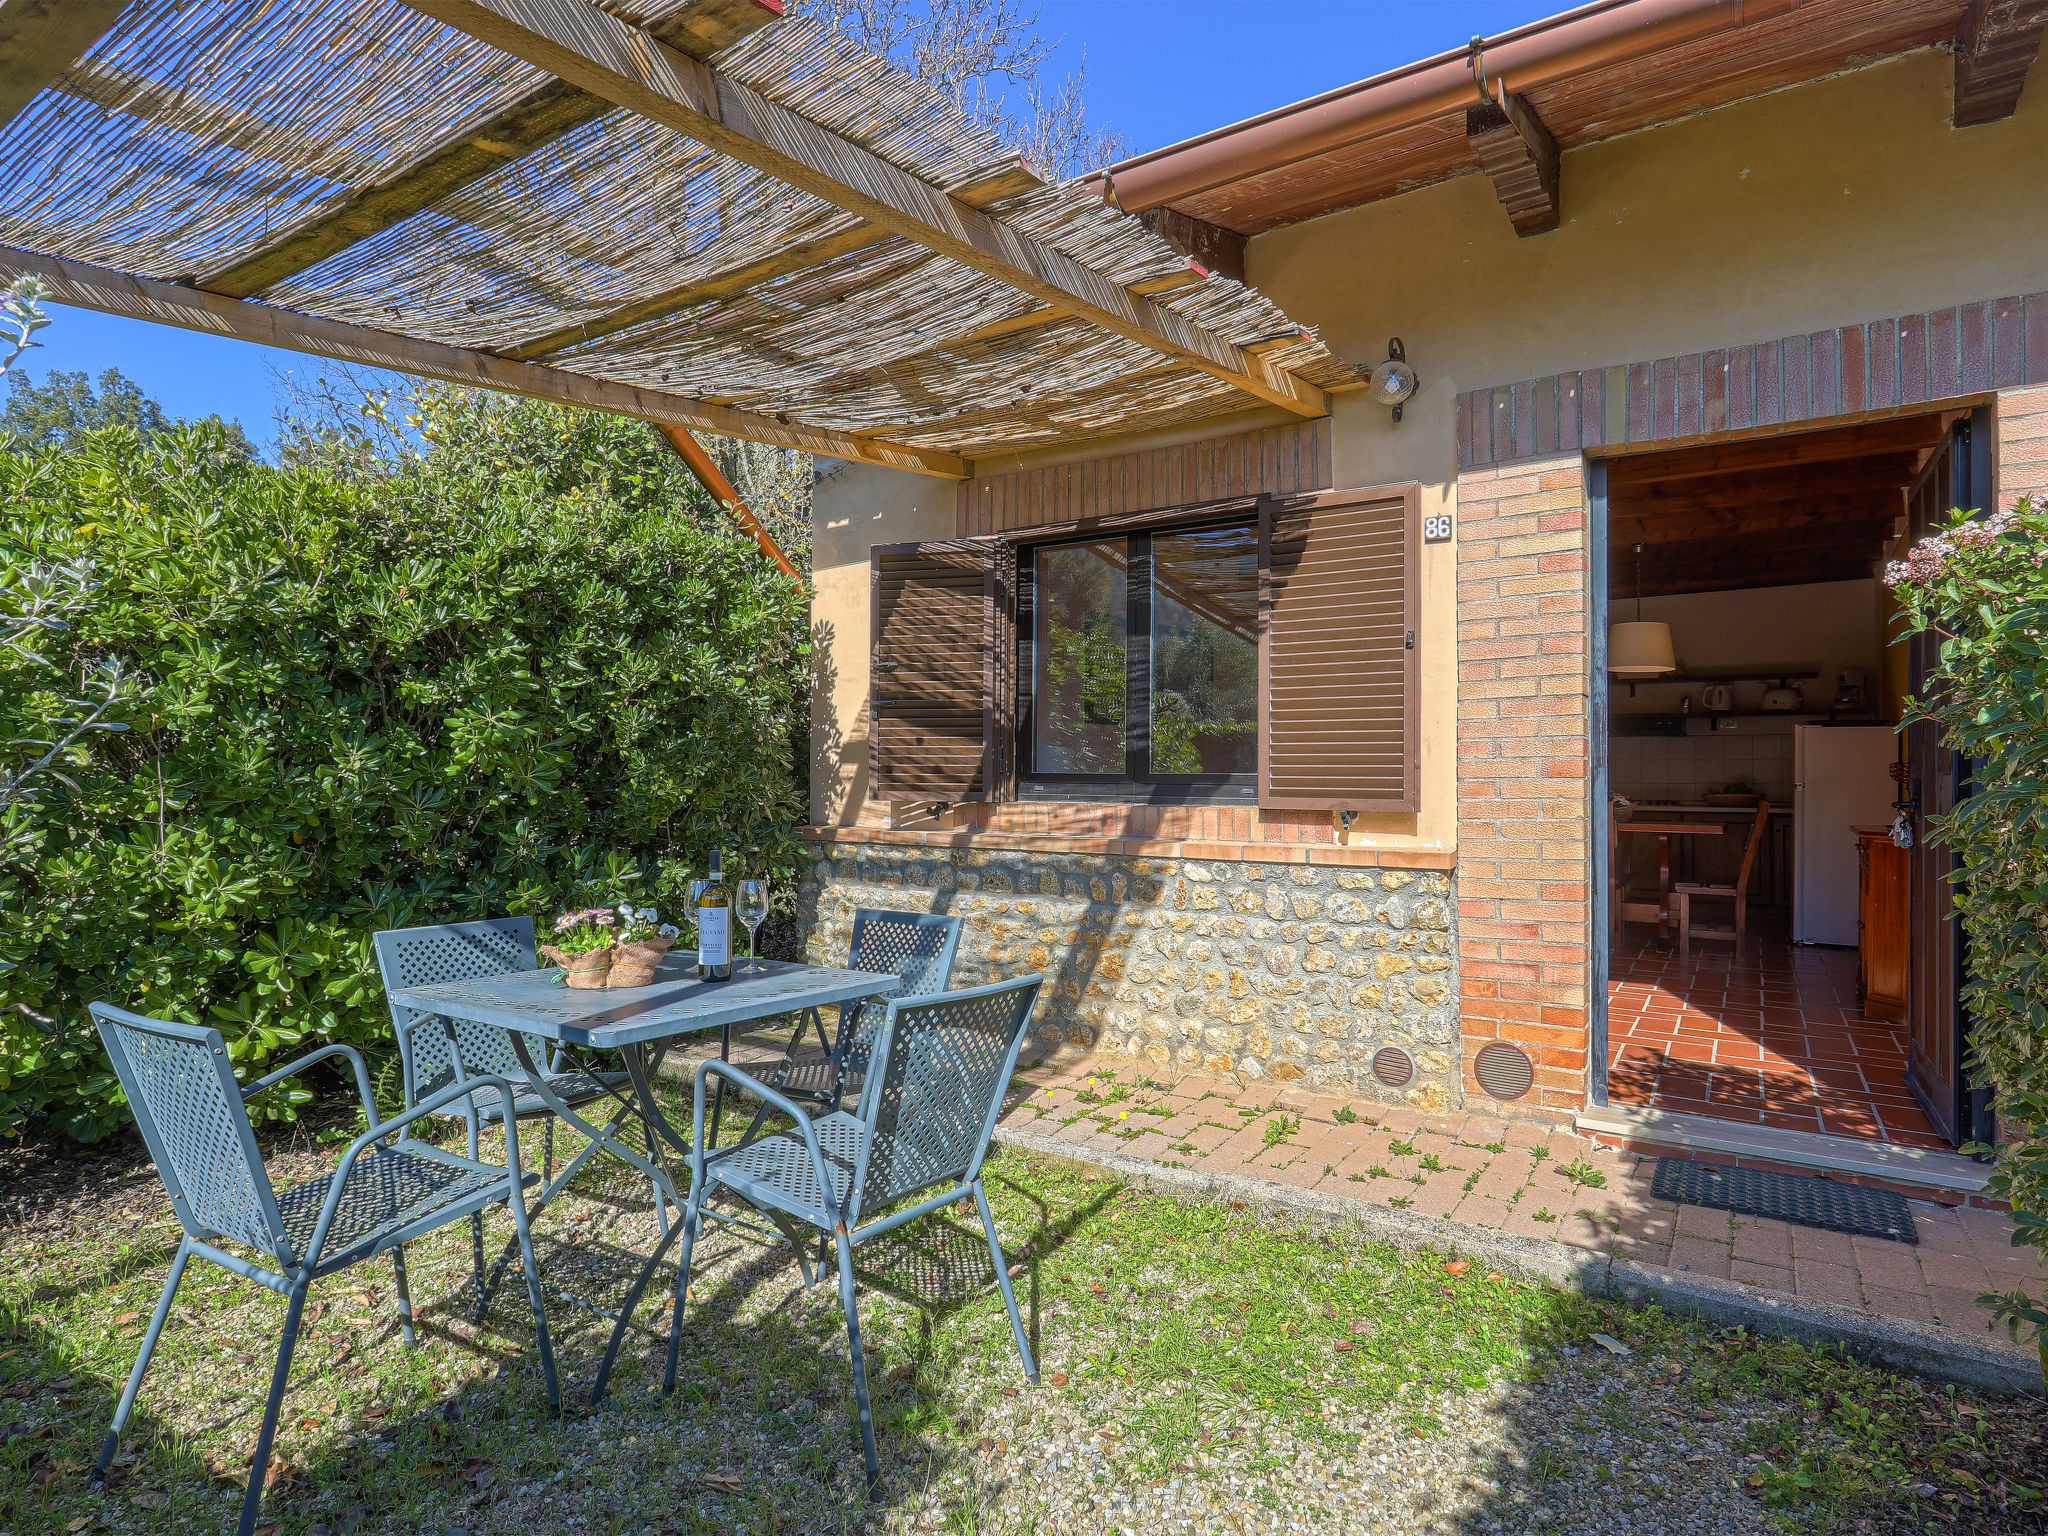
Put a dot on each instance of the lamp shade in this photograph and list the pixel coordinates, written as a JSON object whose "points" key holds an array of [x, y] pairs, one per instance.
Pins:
{"points": [[1640, 650]]}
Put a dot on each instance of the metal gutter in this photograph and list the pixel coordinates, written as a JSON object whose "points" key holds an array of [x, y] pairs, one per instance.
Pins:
{"points": [[1606, 32]]}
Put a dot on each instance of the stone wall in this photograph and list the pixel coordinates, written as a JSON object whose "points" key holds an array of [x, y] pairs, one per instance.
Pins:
{"points": [[1277, 971]]}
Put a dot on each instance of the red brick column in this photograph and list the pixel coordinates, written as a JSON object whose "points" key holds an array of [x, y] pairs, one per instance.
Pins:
{"points": [[1524, 717], [2022, 444]]}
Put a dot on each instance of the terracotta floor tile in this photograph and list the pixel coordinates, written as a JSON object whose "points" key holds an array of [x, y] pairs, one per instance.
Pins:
{"points": [[1768, 1035]]}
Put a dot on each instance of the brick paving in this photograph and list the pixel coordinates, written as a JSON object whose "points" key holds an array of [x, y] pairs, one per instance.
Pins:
{"points": [[1772, 1036], [1524, 1177]]}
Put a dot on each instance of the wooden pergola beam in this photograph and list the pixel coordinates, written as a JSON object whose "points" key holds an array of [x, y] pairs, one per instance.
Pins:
{"points": [[41, 39], [627, 65], [540, 116], [1520, 157], [141, 298], [1995, 47]]}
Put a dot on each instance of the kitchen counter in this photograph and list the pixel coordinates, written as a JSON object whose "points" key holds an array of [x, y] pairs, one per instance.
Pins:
{"points": [[1777, 808]]}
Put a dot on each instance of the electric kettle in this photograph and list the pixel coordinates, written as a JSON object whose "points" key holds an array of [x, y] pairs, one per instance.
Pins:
{"points": [[1717, 696]]}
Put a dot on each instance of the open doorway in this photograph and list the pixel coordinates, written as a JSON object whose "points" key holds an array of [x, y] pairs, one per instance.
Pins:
{"points": [[1774, 956]]}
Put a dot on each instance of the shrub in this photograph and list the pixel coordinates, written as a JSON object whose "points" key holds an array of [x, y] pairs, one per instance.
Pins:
{"points": [[1983, 588], [529, 666]]}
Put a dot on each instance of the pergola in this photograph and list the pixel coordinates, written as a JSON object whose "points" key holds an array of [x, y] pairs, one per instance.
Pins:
{"points": [[696, 212]]}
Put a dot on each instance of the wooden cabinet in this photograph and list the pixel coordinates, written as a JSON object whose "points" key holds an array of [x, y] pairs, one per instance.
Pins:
{"points": [[1884, 956]]}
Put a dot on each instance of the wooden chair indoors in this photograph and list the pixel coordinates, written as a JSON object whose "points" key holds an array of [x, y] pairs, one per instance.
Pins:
{"points": [[1685, 893]]}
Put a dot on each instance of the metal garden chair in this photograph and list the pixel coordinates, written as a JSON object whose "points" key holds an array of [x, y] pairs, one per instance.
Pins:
{"points": [[917, 946], [194, 1118], [939, 1070], [435, 1052]]}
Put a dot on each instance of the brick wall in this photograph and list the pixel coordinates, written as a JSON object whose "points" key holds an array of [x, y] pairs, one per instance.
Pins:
{"points": [[1280, 460], [1845, 374], [1524, 716], [2022, 444]]}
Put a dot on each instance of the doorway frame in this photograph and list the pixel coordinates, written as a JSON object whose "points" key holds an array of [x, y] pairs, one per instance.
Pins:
{"points": [[1977, 429], [1599, 903]]}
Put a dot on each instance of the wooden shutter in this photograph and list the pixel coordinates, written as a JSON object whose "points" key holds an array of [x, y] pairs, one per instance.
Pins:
{"points": [[938, 701], [1338, 572]]}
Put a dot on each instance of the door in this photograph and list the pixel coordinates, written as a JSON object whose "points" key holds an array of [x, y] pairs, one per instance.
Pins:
{"points": [[1956, 476]]}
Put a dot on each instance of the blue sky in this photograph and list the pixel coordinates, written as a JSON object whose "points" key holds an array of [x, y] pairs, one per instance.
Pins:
{"points": [[1158, 71]]}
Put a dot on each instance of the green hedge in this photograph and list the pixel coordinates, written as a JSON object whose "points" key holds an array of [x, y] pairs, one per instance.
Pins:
{"points": [[530, 665], [1982, 587]]}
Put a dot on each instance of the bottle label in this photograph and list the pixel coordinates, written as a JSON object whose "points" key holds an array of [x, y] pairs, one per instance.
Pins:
{"points": [[714, 936]]}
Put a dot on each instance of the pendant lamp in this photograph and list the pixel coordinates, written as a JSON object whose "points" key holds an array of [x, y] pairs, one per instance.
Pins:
{"points": [[1639, 650]]}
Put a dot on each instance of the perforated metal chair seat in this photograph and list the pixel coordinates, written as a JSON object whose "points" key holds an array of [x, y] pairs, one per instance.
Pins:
{"points": [[572, 1088], [778, 1171], [388, 1190]]}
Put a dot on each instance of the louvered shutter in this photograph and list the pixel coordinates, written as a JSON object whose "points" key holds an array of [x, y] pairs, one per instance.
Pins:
{"points": [[1337, 665], [939, 693]]}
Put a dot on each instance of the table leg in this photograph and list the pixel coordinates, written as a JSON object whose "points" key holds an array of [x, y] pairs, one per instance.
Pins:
{"points": [[1664, 887]]}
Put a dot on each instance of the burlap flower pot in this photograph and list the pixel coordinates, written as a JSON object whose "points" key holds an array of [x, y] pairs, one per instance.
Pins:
{"points": [[633, 964], [588, 969]]}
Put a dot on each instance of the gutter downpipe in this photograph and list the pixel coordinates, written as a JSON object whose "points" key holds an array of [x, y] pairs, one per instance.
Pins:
{"points": [[713, 480], [1607, 32]]}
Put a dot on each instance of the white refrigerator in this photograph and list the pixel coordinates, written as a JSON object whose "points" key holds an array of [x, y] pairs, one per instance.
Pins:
{"points": [[1841, 778]]}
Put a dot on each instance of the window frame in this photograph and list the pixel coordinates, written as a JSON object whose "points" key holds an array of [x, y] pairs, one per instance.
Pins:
{"points": [[1138, 782]]}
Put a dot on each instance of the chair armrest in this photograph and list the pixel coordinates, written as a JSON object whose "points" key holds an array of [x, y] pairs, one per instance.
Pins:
{"points": [[292, 1069], [700, 1158], [378, 1132]]}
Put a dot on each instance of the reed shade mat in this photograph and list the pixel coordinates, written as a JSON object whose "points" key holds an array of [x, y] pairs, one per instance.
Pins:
{"points": [[1807, 1202], [359, 178]]}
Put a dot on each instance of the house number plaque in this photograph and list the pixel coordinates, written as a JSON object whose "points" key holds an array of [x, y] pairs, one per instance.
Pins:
{"points": [[1437, 529]]}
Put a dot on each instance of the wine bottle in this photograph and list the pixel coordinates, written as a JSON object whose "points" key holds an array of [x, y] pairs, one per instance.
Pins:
{"points": [[714, 925]]}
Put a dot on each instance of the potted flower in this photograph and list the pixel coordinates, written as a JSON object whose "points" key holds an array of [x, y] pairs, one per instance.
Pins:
{"points": [[643, 938], [583, 945]]}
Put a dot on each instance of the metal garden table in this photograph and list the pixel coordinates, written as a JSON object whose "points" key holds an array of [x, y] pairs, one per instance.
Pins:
{"points": [[642, 1024]]}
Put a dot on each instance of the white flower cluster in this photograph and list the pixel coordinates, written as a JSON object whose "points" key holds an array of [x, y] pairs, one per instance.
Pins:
{"points": [[1926, 561]]}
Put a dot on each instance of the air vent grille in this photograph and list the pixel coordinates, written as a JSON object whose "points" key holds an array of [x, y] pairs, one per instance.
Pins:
{"points": [[1503, 1071], [1394, 1067]]}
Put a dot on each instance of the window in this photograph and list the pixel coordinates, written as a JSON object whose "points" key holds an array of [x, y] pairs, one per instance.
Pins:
{"points": [[1143, 659], [1256, 650]]}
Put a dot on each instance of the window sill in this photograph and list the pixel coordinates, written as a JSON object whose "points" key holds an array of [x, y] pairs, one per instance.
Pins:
{"points": [[1116, 792], [1353, 855]]}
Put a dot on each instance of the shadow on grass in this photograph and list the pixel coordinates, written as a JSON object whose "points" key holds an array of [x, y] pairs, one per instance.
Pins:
{"points": [[434, 1439]]}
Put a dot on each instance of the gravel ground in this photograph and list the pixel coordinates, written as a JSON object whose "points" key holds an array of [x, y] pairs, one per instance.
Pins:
{"points": [[1201, 1373]]}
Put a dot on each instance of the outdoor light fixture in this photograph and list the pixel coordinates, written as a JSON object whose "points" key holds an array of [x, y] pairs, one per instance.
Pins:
{"points": [[1640, 650], [1393, 382]]}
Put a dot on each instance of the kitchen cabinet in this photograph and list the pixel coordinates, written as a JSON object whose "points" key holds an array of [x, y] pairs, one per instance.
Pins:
{"points": [[1884, 955]]}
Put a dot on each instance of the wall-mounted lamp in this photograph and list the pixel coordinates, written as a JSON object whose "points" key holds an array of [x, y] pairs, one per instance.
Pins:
{"points": [[1394, 382]]}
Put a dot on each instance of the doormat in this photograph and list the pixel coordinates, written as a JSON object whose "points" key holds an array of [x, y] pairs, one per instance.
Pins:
{"points": [[1829, 1204]]}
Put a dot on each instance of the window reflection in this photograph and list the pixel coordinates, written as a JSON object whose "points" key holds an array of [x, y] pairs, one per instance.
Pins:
{"points": [[1205, 651], [1079, 639]]}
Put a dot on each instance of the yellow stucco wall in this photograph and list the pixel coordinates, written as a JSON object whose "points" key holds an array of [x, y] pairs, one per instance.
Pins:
{"points": [[1846, 200]]}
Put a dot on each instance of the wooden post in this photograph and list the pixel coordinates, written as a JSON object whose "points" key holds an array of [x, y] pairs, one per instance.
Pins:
{"points": [[713, 480]]}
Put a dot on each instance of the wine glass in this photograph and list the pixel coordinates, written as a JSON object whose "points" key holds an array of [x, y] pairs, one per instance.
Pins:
{"points": [[753, 911]]}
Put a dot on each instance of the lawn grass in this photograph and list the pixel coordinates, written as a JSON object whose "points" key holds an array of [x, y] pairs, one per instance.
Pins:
{"points": [[1194, 1349]]}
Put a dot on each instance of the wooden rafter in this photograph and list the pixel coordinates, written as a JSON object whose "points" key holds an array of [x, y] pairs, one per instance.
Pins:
{"points": [[537, 118], [41, 39], [1216, 248], [1521, 159], [625, 64], [1995, 47], [140, 298]]}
